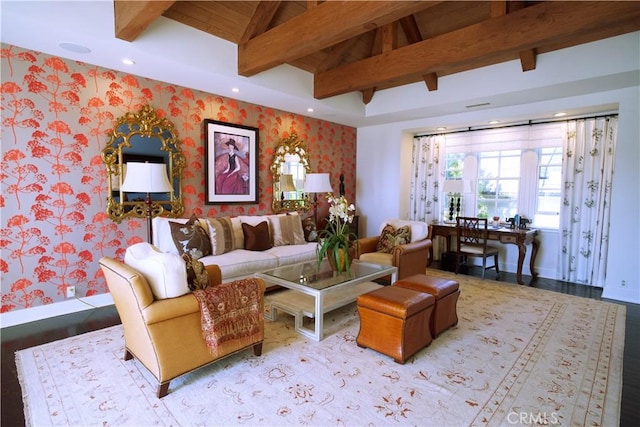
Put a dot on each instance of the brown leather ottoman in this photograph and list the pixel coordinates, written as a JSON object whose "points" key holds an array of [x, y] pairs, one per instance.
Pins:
{"points": [[394, 321], [445, 291]]}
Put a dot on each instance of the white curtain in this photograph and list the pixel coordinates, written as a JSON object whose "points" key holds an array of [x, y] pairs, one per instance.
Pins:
{"points": [[588, 154], [427, 176], [426, 171]]}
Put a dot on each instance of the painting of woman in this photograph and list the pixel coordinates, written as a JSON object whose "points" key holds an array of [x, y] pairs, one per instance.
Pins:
{"points": [[232, 168]]}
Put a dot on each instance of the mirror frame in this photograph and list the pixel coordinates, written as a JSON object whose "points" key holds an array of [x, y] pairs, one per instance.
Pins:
{"points": [[145, 124], [291, 145]]}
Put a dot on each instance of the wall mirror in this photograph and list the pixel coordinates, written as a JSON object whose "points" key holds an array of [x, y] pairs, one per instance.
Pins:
{"points": [[143, 137], [288, 170]]}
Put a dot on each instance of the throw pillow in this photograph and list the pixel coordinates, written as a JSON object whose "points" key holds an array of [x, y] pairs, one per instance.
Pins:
{"points": [[391, 237], [190, 238], [221, 235], [197, 277], [163, 271], [310, 230], [256, 238], [287, 230]]}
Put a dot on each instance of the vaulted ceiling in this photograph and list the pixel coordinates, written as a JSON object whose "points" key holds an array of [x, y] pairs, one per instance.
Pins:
{"points": [[367, 46]]}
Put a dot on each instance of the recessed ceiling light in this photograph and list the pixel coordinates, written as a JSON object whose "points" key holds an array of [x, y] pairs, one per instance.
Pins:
{"points": [[128, 61], [235, 90], [441, 128], [494, 122], [309, 110], [559, 114], [73, 47]]}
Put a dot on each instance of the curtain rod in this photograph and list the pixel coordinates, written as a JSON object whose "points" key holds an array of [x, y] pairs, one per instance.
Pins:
{"points": [[529, 123]]}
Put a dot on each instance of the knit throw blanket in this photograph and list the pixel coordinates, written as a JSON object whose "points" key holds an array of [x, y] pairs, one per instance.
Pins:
{"points": [[229, 311]]}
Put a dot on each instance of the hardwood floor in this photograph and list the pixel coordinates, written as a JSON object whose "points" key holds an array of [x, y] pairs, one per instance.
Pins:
{"points": [[35, 333]]}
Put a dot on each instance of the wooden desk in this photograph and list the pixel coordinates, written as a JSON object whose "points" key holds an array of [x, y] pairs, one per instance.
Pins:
{"points": [[518, 237]]}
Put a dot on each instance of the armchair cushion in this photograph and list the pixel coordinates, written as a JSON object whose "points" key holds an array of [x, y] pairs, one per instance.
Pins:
{"points": [[191, 238], [165, 272], [197, 277], [419, 229], [392, 236]]}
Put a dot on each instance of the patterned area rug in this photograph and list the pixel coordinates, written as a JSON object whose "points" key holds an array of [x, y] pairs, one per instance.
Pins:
{"points": [[519, 356]]}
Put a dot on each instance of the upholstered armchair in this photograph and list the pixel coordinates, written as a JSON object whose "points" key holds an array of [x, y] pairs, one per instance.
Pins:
{"points": [[391, 247], [165, 335]]}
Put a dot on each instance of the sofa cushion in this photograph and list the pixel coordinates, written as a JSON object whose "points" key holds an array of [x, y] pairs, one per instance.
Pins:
{"points": [[256, 238], [191, 238], [221, 234], [197, 277], [165, 272], [161, 232], [310, 229], [392, 236], [287, 230], [241, 262], [293, 254]]}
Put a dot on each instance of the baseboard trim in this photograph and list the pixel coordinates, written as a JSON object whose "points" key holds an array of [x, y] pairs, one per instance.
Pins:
{"points": [[18, 317]]}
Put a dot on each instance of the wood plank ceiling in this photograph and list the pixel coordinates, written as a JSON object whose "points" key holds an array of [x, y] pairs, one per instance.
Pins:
{"points": [[373, 45]]}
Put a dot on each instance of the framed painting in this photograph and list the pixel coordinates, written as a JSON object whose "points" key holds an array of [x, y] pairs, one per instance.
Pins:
{"points": [[231, 168]]}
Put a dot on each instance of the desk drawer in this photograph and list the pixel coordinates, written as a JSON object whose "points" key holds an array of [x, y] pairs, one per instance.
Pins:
{"points": [[509, 239]]}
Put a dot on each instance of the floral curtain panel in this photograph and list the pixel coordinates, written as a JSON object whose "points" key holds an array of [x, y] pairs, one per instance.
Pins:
{"points": [[589, 150], [426, 177]]}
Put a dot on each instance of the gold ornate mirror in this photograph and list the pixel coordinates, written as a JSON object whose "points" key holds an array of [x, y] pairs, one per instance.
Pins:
{"points": [[143, 137], [289, 169]]}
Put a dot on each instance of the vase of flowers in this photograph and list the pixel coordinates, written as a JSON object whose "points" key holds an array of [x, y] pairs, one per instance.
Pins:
{"points": [[334, 242]]}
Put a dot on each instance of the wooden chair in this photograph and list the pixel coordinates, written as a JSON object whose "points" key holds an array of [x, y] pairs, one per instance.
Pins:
{"points": [[472, 242]]}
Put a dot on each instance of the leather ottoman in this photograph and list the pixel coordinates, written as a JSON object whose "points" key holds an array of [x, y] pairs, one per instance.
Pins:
{"points": [[445, 291], [395, 321]]}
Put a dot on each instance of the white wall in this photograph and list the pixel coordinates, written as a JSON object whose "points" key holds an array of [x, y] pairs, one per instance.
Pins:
{"points": [[382, 176]]}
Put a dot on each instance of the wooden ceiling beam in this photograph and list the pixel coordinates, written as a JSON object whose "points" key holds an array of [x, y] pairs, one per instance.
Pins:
{"points": [[319, 28], [260, 20], [528, 28], [528, 59], [131, 18]]}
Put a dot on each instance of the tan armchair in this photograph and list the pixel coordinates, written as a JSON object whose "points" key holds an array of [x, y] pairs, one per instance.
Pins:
{"points": [[410, 258], [166, 335]]}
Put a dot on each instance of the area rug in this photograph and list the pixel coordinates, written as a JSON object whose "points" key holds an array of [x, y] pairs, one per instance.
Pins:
{"points": [[518, 356]]}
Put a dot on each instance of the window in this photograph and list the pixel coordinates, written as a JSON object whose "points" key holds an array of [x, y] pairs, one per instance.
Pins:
{"points": [[498, 179], [516, 170]]}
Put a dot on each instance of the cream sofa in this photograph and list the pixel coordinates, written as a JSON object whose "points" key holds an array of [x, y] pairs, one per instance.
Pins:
{"points": [[240, 262]]}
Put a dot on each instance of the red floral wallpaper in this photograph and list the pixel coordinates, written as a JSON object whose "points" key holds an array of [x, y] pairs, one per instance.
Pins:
{"points": [[56, 114]]}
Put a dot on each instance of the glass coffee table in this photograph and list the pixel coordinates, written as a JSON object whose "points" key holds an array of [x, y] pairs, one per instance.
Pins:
{"points": [[314, 290]]}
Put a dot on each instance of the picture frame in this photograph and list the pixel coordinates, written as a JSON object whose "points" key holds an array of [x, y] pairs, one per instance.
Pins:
{"points": [[231, 167]]}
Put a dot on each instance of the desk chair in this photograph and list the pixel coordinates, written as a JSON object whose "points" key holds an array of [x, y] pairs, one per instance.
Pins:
{"points": [[472, 242]]}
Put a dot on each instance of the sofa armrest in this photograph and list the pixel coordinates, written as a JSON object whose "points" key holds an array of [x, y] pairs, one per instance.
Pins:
{"points": [[171, 308], [366, 245]]}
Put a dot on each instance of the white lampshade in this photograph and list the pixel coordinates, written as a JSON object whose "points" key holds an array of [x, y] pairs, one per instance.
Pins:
{"points": [[146, 178], [461, 186], [317, 183], [286, 183]]}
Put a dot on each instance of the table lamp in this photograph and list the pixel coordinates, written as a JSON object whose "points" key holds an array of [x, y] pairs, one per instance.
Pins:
{"points": [[286, 185], [146, 178], [317, 183]]}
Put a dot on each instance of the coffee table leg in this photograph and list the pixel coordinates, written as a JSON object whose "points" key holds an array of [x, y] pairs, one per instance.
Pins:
{"points": [[319, 320]]}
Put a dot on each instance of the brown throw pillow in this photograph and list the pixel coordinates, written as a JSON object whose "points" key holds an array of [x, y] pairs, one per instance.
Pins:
{"points": [[197, 277], [310, 230], [190, 238], [391, 237], [256, 238]]}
